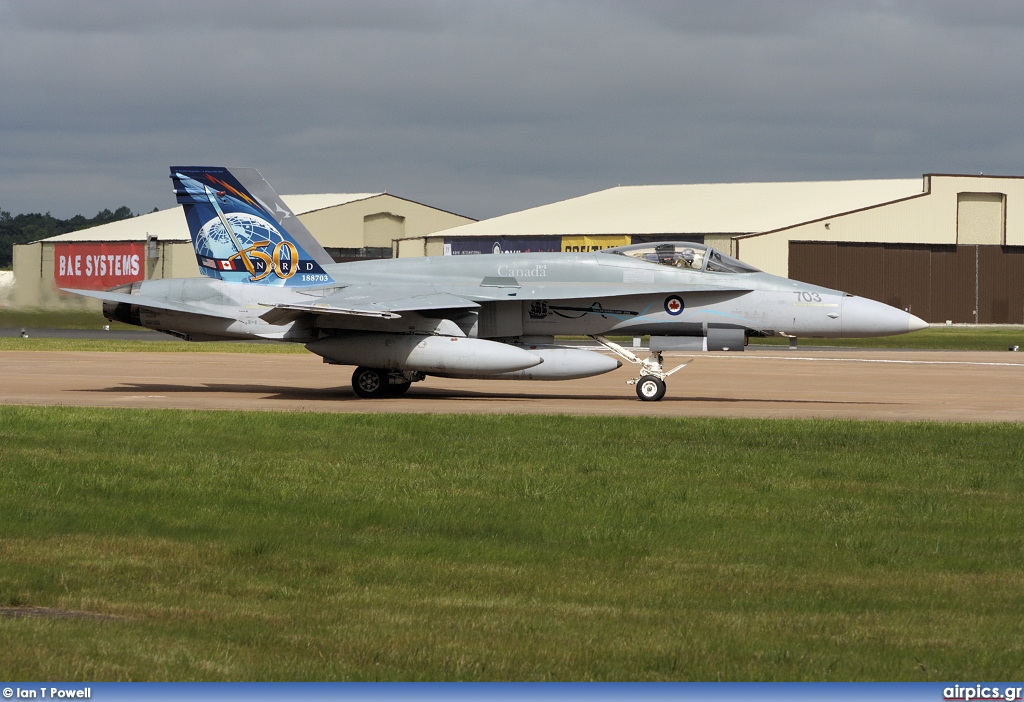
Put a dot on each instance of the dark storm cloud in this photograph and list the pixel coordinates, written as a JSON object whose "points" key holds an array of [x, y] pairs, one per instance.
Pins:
{"points": [[484, 108]]}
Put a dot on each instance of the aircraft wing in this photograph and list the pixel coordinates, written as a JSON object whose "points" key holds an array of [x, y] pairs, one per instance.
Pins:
{"points": [[360, 301], [151, 303]]}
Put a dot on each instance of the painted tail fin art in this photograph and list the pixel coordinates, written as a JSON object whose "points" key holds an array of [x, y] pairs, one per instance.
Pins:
{"points": [[243, 233]]}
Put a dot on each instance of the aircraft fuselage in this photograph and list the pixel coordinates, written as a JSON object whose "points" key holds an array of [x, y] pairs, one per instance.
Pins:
{"points": [[532, 294]]}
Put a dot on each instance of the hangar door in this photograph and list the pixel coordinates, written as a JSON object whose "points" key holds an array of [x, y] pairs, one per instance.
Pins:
{"points": [[964, 284]]}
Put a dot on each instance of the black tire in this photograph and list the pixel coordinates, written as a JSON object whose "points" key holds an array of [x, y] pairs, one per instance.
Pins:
{"points": [[650, 389], [370, 382]]}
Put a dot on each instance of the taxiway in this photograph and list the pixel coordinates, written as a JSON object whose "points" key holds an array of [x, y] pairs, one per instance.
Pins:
{"points": [[761, 382]]}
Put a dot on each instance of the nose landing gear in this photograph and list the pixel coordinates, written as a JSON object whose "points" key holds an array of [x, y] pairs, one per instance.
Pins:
{"points": [[650, 389], [650, 384]]}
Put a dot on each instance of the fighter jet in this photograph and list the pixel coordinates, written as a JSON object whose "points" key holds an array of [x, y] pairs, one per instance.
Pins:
{"points": [[493, 316]]}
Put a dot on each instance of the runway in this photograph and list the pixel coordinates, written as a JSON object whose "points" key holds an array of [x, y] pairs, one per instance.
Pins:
{"points": [[762, 382]]}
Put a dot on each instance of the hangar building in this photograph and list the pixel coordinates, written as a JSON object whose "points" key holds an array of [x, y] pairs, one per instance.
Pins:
{"points": [[157, 245], [945, 247]]}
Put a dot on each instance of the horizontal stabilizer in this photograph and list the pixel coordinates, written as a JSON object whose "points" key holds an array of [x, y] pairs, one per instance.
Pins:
{"points": [[149, 303]]}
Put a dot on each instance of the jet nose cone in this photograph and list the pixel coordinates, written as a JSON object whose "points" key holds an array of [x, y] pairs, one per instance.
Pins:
{"points": [[864, 317], [916, 324]]}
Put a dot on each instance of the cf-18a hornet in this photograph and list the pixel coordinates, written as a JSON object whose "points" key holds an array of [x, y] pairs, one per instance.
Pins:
{"points": [[492, 316]]}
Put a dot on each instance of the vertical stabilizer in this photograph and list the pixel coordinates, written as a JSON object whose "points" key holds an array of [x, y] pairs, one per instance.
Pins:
{"points": [[243, 232]]}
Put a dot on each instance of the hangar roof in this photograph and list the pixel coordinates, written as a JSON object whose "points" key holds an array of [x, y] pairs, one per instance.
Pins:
{"points": [[170, 225], [727, 208]]}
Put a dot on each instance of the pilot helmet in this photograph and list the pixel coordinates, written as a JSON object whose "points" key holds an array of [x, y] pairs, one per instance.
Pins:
{"points": [[688, 256]]}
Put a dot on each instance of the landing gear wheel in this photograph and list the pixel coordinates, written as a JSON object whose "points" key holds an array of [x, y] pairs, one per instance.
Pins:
{"points": [[370, 382], [650, 389]]}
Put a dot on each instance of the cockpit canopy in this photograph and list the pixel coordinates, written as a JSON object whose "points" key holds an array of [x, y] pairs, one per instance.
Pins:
{"points": [[683, 254]]}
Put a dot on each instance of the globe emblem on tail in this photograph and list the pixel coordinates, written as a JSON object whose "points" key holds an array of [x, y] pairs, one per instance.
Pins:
{"points": [[213, 241]]}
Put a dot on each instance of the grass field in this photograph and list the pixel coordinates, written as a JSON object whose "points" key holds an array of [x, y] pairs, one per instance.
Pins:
{"points": [[170, 345], [52, 319], [961, 338], [261, 546]]}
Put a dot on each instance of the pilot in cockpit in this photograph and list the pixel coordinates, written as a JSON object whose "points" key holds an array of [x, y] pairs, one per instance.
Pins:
{"points": [[666, 254]]}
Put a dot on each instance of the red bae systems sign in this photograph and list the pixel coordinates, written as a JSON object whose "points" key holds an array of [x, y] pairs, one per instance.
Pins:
{"points": [[96, 266]]}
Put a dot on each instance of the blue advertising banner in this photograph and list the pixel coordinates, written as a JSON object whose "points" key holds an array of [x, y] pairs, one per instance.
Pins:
{"points": [[501, 244]]}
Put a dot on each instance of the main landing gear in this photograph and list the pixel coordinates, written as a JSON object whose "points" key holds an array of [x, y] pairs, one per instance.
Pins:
{"points": [[378, 382], [650, 384]]}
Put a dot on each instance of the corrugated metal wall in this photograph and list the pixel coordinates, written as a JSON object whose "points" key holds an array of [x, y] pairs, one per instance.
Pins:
{"points": [[964, 284], [1001, 283]]}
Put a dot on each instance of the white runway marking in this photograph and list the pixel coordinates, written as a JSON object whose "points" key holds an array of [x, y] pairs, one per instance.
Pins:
{"points": [[875, 360], [644, 351]]}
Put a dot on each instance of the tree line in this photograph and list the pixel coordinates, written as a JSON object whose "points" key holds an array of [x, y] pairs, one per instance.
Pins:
{"points": [[26, 228]]}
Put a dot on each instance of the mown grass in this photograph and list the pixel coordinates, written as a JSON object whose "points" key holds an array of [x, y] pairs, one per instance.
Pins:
{"points": [[36, 319], [964, 338], [260, 546], [57, 319], [168, 346]]}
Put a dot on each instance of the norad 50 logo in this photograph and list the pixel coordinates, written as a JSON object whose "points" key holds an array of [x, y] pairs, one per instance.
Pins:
{"points": [[982, 692], [252, 245]]}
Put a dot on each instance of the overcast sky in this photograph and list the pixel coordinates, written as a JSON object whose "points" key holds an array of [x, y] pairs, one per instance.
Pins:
{"points": [[483, 108]]}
